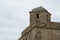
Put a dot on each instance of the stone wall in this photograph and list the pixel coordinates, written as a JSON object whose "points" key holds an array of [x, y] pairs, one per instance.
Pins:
{"points": [[28, 34], [47, 34], [55, 25]]}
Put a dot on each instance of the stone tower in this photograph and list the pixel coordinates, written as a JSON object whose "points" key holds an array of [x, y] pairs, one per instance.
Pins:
{"points": [[41, 27], [40, 17]]}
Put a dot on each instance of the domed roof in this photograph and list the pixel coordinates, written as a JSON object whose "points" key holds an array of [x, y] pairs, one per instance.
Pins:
{"points": [[38, 9]]}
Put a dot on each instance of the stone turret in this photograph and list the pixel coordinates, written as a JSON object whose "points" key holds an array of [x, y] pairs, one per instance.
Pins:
{"points": [[40, 17]]}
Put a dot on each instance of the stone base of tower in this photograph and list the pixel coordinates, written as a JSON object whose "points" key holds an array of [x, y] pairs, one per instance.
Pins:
{"points": [[42, 33]]}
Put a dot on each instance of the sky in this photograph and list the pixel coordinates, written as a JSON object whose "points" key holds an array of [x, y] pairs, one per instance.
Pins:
{"points": [[14, 15]]}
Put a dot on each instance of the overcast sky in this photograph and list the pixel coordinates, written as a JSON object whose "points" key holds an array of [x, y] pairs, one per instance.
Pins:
{"points": [[14, 15]]}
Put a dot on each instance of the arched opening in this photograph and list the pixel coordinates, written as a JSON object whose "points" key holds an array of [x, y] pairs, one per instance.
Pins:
{"points": [[37, 16]]}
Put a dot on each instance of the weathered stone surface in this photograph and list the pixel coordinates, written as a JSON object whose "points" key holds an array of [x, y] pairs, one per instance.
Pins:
{"points": [[38, 37], [55, 25], [41, 27]]}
